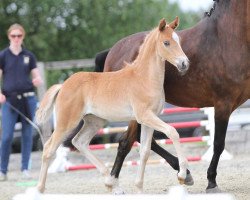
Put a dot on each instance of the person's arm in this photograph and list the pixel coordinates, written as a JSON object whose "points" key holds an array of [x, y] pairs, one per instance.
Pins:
{"points": [[36, 78], [2, 97]]}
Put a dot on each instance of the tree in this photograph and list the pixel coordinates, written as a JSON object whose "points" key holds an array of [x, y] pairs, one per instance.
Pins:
{"points": [[70, 29]]}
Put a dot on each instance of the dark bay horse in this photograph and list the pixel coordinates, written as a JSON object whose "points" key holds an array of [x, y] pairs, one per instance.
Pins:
{"points": [[218, 48]]}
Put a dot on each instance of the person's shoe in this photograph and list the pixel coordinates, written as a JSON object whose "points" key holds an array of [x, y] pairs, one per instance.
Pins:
{"points": [[3, 177], [26, 174]]}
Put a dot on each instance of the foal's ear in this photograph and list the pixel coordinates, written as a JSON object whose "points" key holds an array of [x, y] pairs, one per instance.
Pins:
{"points": [[162, 24], [174, 24]]}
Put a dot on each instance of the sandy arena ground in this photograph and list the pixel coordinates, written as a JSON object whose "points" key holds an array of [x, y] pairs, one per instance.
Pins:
{"points": [[233, 175]]}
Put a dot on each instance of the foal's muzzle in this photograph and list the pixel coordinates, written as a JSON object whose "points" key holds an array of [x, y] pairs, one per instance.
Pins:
{"points": [[183, 66]]}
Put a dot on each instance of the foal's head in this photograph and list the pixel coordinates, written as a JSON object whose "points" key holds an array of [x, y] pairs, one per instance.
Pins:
{"points": [[168, 45]]}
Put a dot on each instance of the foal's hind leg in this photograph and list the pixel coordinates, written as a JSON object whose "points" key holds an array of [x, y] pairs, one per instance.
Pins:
{"points": [[65, 126], [81, 141], [49, 150]]}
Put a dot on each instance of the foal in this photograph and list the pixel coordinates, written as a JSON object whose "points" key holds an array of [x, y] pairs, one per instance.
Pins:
{"points": [[116, 96]]}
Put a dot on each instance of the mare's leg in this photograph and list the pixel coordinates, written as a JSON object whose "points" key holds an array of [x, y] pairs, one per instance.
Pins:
{"points": [[146, 138], [222, 114], [81, 141], [125, 144], [151, 120]]}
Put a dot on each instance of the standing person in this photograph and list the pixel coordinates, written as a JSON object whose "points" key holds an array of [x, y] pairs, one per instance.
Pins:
{"points": [[16, 66]]}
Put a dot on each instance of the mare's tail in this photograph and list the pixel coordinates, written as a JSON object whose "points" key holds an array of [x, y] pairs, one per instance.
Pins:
{"points": [[46, 105], [100, 60]]}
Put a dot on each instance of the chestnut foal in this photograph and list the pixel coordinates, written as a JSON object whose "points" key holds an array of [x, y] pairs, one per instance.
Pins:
{"points": [[116, 96]]}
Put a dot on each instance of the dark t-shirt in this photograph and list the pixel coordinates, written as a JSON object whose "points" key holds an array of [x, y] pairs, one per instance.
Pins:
{"points": [[16, 71]]}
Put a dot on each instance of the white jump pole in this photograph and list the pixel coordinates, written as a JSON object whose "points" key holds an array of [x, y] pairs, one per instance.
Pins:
{"points": [[211, 128]]}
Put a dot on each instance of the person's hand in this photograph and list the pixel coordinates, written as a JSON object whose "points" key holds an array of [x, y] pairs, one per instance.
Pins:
{"points": [[37, 81], [2, 98]]}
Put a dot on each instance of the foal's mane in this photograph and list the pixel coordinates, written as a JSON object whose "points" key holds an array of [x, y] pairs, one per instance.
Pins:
{"points": [[144, 50]]}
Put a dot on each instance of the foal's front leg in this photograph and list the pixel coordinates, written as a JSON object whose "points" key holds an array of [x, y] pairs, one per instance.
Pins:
{"points": [[146, 138], [151, 120]]}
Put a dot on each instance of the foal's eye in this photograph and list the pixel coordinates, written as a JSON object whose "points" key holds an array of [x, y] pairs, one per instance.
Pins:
{"points": [[166, 43]]}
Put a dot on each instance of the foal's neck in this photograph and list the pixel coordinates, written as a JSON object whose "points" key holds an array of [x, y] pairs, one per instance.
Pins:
{"points": [[148, 63]]}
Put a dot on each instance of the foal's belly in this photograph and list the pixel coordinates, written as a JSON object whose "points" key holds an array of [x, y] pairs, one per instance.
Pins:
{"points": [[113, 113]]}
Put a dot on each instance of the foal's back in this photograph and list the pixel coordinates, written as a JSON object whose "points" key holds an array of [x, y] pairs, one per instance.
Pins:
{"points": [[107, 95]]}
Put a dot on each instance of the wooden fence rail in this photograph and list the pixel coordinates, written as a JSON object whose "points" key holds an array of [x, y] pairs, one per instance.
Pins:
{"points": [[58, 65]]}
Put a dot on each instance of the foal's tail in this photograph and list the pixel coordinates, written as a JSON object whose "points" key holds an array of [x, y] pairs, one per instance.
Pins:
{"points": [[46, 105]]}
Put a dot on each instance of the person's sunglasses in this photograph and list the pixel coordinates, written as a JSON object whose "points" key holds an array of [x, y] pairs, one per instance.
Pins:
{"points": [[18, 36]]}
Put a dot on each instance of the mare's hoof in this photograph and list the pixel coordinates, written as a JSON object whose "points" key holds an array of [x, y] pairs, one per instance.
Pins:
{"points": [[214, 190], [189, 180]]}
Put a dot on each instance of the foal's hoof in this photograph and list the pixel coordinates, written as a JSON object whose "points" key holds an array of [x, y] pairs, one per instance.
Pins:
{"points": [[118, 191], [181, 180], [32, 193], [213, 190], [109, 188], [189, 180], [110, 182], [182, 177]]}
